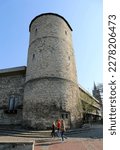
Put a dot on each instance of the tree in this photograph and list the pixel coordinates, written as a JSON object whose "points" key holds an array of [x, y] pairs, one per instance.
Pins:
{"points": [[87, 110]]}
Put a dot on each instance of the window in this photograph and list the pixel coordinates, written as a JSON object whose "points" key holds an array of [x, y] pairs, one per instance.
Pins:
{"points": [[64, 116], [66, 32], [35, 31], [12, 104], [33, 56]]}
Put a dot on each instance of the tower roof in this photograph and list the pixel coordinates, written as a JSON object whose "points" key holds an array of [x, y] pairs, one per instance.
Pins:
{"points": [[50, 14]]}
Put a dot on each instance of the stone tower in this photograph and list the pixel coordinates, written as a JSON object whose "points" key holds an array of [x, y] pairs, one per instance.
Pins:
{"points": [[51, 90]]}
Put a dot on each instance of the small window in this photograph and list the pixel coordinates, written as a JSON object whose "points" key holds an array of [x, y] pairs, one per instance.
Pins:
{"points": [[33, 56], [66, 116], [12, 105], [36, 31], [62, 116], [65, 32]]}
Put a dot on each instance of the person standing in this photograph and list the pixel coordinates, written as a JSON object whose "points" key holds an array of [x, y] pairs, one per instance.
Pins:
{"points": [[58, 127], [53, 129], [63, 130]]}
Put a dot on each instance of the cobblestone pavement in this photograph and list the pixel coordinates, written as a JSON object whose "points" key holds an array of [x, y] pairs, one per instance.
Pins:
{"points": [[71, 144]]}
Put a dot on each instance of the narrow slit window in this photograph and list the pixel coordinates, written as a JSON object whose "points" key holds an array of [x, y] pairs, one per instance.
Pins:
{"points": [[33, 56], [65, 32], [36, 31]]}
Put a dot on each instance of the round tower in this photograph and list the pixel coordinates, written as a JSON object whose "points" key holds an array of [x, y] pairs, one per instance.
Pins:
{"points": [[51, 89]]}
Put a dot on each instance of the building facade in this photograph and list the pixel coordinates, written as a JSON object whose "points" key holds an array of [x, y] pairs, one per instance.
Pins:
{"points": [[47, 88]]}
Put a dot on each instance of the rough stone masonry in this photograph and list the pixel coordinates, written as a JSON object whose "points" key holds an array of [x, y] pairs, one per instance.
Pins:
{"points": [[51, 83]]}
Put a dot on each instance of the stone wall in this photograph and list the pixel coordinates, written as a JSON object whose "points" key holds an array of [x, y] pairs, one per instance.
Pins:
{"points": [[47, 99], [17, 146], [11, 85], [51, 57], [51, 81], [50, 51]]}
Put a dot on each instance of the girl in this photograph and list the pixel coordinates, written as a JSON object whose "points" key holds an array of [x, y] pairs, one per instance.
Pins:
{"points": [[63, 130], [53, 129]]}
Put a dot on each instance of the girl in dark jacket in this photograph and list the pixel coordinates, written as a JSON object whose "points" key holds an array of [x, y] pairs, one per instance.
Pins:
{"points": [[53, 129]]}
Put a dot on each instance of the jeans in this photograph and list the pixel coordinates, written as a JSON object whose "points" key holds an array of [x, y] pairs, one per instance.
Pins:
{"points": [[63, 136], [58, 132]]}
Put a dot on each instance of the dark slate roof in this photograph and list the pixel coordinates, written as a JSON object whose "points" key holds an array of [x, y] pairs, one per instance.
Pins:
{"points": [[13, 71], [50, 14]]}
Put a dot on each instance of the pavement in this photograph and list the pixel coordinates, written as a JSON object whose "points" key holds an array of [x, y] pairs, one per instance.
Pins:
{"points": [[86, 138], [71, 144]]}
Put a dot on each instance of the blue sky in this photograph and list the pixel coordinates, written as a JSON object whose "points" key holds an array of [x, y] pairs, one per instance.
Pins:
{"points": [[85, 18]]}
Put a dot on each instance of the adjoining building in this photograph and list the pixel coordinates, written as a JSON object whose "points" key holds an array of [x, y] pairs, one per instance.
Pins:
{"points": [[98, 94], [47, 89]]}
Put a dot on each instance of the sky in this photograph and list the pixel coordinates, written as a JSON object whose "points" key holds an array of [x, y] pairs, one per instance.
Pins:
{"points": [[85, 18]]}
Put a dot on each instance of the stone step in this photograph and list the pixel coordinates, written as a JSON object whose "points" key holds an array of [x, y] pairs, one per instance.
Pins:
{"points": [[24, 133], [36, 134], [25, 136]]}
